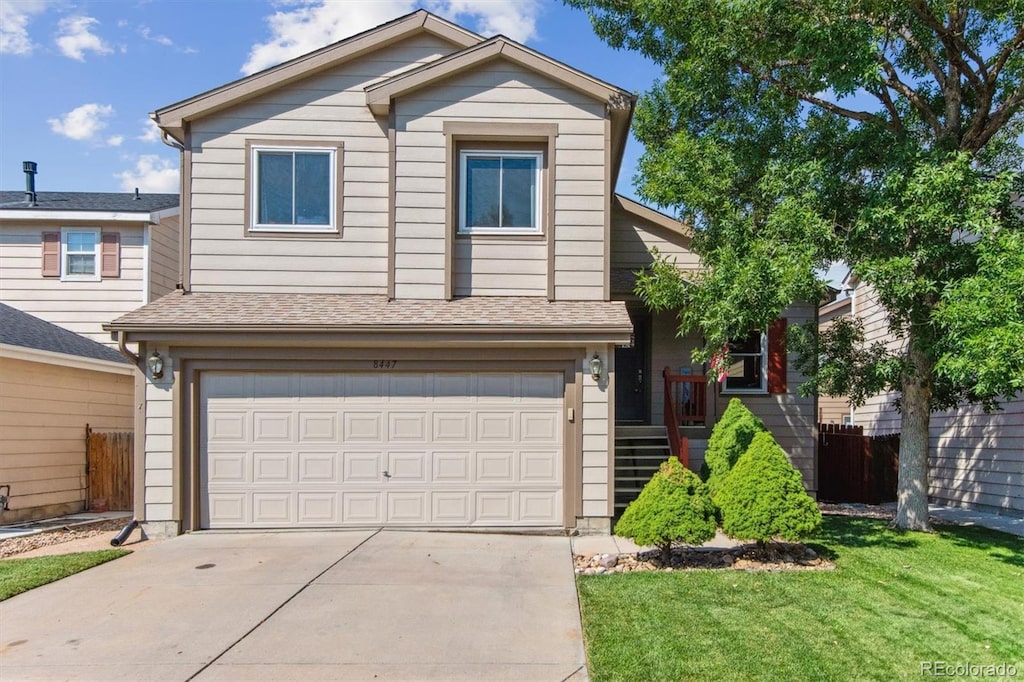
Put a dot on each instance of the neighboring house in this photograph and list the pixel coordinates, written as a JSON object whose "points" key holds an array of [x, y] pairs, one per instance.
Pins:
{"points": [[975, 460], [407, 298], [80, 259], [52, 384], [832, 410], [75, 260]]}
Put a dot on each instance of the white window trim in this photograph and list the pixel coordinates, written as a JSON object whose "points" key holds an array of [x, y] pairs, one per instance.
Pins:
{"points": [[254, 195], [763, 390], [538, 189], [65, 276]]}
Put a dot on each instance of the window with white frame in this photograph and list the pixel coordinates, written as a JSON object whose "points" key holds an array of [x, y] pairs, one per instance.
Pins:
{"points": [[499, 192], [746, 372], [293, 189], [80, 254]]}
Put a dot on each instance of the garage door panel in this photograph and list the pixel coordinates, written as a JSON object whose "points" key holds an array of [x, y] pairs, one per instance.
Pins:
{"points": [[367, 427], [462, 449]]}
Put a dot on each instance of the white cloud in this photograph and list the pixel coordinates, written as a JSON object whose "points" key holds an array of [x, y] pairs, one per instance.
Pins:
{"points": [[516, 19], [147, 33], [82, 123], [14, 18], [150, 131], [308, 25], [76, 38], [115, 140], [151, 174]]}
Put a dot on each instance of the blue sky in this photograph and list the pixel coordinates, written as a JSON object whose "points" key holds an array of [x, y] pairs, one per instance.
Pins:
{"points": [[78, 79]]}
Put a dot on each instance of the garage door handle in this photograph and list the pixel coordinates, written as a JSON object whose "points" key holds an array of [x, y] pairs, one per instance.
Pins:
{"points": [[386, 474]]}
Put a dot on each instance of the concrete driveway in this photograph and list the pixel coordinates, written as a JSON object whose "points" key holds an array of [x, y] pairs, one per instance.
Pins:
{"points": [[310, 605]]}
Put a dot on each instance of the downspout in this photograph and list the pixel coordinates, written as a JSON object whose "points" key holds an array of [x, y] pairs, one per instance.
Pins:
{"points": [[183, 218], [130, 356]]}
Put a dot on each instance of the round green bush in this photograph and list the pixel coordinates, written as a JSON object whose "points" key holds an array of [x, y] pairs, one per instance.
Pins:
{"points": [[728, 441], [674, 507], [764, 497]]}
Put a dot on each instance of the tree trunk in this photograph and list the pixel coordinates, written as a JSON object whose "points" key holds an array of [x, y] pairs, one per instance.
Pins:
{"points": [[912, 489], [666, 554]]}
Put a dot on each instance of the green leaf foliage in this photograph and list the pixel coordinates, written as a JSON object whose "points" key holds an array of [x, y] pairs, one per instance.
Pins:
{"points": [[674, 507], [764, 497], [729, 439]]}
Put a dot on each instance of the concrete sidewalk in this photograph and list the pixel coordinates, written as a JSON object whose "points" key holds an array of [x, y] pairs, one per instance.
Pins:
{"points": [[309, 605]]}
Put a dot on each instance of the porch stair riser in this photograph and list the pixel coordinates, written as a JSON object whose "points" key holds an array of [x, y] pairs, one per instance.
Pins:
{"points": [[639, 451]]}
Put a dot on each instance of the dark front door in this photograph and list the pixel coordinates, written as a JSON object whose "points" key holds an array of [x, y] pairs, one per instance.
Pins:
{"points": [[632, 395]]}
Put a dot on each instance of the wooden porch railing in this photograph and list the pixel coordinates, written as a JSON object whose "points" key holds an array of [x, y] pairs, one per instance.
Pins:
{"points": [[686, 404]]}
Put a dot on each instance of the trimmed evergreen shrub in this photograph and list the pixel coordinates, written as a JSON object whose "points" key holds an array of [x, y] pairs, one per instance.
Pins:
{"points": [[764, 497], [673, 507], [728, 441]]}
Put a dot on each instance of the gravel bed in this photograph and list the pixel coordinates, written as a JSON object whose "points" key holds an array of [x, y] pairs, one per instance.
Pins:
{"points": [[775, 557], [26, 543]]}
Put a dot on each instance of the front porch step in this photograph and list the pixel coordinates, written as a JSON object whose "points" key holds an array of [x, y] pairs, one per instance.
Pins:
{"points": [[639, 451]]}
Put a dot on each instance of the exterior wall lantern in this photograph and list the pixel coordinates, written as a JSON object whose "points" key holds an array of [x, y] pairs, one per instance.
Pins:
{"points": [[596, 367], [156, 365]]}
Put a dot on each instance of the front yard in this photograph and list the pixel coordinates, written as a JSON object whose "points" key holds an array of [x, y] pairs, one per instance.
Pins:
{"points": [[21, 575], [895, 602]]}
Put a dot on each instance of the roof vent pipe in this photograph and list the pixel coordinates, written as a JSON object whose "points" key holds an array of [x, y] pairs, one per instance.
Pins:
{"points": [[30, 181], [136, 197]]}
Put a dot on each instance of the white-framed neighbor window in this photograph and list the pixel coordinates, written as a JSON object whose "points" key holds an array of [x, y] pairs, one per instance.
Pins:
{"points": [[747, 372], [499, 191], [80, 254], [293, 189]]}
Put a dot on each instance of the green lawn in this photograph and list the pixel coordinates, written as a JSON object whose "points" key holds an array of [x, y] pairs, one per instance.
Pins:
{"points": [[894, 600], [21, 575]]}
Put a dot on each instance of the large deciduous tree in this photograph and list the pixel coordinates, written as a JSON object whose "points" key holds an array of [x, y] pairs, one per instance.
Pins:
{"points": [[883, 133]]}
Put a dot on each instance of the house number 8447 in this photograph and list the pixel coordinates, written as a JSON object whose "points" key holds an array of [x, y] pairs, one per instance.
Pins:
{"points": [[385, 364]]}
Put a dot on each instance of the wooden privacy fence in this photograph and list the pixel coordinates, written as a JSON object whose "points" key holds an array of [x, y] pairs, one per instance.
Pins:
{"points": [[853, 467], [109, 458]]}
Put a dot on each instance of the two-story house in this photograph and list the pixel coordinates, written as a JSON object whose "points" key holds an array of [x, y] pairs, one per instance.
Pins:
{"points": [[69, 263], [407, 299]]}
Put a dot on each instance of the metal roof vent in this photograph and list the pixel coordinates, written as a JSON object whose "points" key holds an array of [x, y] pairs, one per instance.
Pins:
{"points": [[30, 181], [136, 197]]}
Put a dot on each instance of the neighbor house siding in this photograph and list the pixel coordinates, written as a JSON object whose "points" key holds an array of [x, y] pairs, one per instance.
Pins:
{"points": [[81, 307], [328, 107], [500, 266], [44, 409], [832, 410], [164, 256], [878, 415]]}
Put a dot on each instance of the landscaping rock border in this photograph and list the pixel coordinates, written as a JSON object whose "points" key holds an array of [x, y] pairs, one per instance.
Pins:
{"points": [[10, 547], [774, 557]]}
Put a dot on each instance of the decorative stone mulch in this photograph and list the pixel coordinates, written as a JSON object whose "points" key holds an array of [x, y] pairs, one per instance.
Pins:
{"points": [[26, 543], [775, 557]]}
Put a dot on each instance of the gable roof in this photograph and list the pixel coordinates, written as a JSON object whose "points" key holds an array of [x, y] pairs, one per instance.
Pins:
{"points": [[379, 95], [107, 202], [657, 217], [20, 329], [173, 118]]}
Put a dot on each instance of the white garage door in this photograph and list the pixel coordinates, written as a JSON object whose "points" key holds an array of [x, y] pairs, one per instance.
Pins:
{"points": [[421, 449]]}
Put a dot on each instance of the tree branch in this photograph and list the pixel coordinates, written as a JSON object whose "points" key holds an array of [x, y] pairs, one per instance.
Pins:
{"points": [[1015, 43], [787, 89], [883, 96], [984, 128], [925, 55], [899, 86], [955, 45]]}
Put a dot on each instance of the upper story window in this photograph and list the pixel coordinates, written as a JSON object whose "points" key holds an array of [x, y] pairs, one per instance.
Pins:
{"points": [[80, 254], [747, 371], [499, 192], [294, 189]]}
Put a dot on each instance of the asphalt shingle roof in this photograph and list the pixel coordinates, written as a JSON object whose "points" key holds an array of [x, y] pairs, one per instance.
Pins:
{"points": [[122, 202], [18, 328], [284, 312]]}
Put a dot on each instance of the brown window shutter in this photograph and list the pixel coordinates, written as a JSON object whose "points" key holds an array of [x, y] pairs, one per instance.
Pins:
{"points": [[110, 255], [777, 356], [51, 254]]}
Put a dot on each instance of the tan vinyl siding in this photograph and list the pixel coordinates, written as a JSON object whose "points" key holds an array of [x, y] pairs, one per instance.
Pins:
{"points": [[633, 238], [159, 457], [878, 415], [330, 107], [43, 412], [595, 478], [164, 254], [80, 306], [832, 410], [507, 266], [790, 417], [668, 350]]}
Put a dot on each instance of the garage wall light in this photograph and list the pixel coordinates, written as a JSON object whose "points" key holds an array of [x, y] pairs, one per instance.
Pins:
{"points": [[156, 365], [596, 367]]}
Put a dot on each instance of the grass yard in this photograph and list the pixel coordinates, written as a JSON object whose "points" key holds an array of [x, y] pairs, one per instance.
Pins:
{"points": [[21, 575], [894, 600]]}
